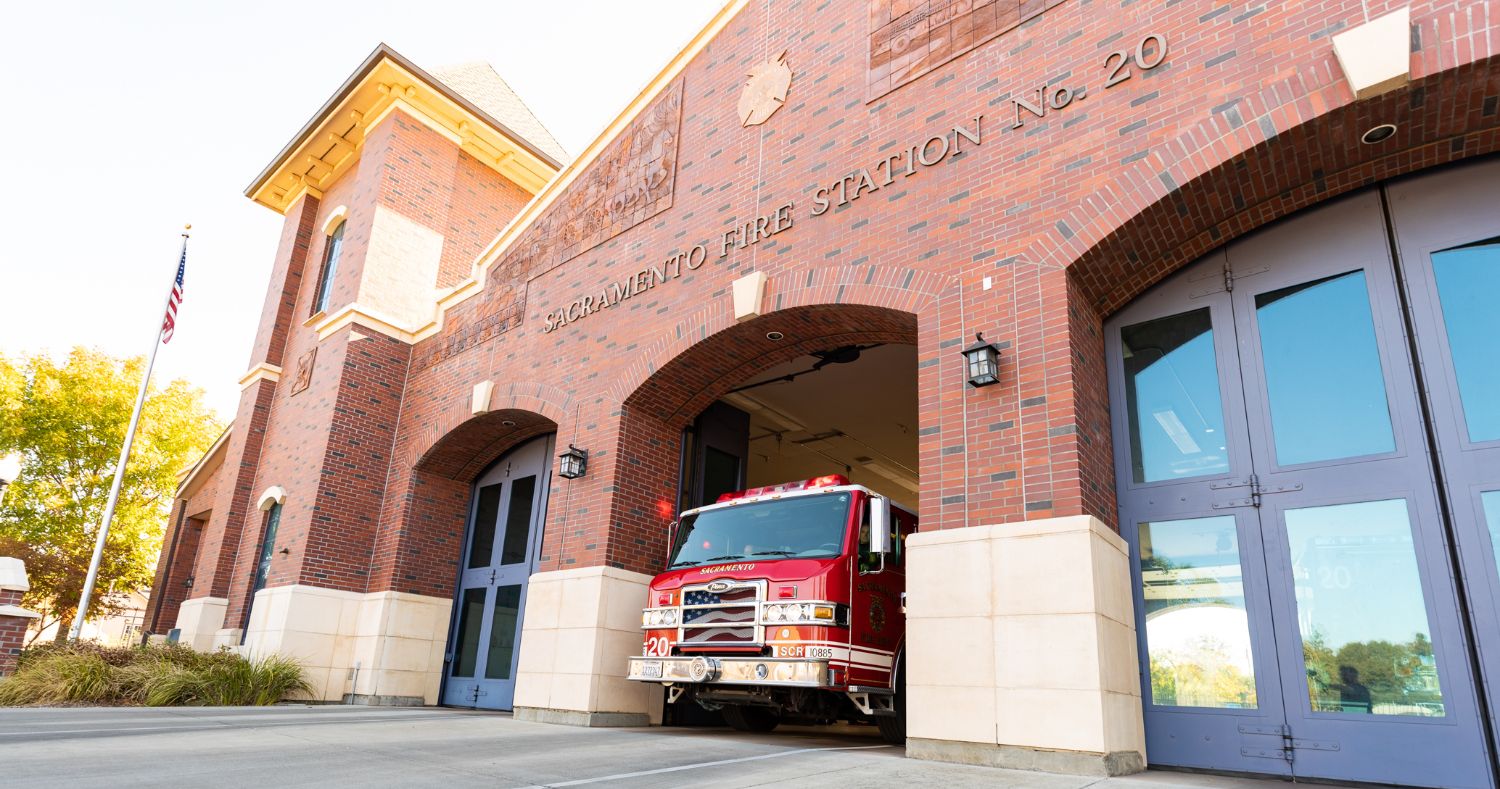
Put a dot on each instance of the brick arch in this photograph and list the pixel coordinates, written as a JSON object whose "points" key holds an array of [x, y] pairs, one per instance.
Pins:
{"points": [[673, 375], [425, 512], [465, 452], [1270, 153], [458, 445], [653, 415]]}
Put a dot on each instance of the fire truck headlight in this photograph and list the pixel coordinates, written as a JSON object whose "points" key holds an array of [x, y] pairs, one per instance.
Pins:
{"points": [[659, 617], [811, 613]]}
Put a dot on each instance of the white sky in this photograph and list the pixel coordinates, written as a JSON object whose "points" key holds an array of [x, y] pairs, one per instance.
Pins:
{"points": [[126, 120]]}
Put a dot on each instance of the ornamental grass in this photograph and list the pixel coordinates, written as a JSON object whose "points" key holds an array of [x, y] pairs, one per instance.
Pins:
{"points": [[166, 675]]}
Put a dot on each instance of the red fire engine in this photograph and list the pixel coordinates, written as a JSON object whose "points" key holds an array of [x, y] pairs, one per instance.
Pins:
{"points": [[784, 603]]}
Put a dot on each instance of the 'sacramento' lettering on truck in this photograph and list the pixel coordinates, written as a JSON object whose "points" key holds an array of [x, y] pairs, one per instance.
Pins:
{"points": [[728, 568]]}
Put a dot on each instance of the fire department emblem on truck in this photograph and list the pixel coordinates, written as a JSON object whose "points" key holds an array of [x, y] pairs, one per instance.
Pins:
{"points": [[765, 90]]}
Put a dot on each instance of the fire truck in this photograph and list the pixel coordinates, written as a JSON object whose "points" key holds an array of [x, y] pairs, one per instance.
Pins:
{"points": [[784, 604]]}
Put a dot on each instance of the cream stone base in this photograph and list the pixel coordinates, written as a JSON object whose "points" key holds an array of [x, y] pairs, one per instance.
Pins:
{"points": [[230, 638], [383, 647], [579, 627], [198, 620], [1021, 649]]}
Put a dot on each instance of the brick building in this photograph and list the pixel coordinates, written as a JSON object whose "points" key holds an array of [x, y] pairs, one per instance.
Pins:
{"points": [[1228, 507]]}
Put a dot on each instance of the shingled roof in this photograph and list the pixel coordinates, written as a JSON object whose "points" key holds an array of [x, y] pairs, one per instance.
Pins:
{"points": [[479, 83]]}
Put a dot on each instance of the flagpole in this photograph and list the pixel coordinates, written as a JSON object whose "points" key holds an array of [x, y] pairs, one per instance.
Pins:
{"points": [[114, 489]]}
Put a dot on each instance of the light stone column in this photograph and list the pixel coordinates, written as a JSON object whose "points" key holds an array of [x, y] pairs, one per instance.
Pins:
{"points": [[379, 648], [198, 620], [1021, 648], [580, 626]]}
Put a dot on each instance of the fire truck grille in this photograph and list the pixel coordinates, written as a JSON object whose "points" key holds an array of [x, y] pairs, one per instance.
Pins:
{"points": [[721, 616]]}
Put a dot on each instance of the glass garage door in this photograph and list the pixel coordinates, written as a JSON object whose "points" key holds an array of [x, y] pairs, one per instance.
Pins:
{"points": [[1289, 502]]}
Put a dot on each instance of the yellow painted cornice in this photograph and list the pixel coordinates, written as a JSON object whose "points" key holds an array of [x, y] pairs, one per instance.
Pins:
{"points": [[369, 318], [330, 143], [212, 458], [265, 371]]}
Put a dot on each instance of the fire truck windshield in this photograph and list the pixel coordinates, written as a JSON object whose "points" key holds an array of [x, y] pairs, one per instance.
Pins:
{"points": [[797, 526]]}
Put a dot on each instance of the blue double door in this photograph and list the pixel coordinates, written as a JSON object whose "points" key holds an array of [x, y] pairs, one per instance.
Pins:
{"points": [[1307, 444], [501, 545]]}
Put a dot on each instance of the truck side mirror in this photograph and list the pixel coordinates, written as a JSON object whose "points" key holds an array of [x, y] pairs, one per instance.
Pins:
{"points": [[880, 525]]}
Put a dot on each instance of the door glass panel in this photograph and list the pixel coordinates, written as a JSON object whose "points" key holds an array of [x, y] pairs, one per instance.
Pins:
{"points": [[1172, 396], [1366, 645], [470, 620], [1490, 499], [1323, 376], [1197, 632], [503, 632], [482, 539], [1468, 284], [267, 549], [518, 521]]}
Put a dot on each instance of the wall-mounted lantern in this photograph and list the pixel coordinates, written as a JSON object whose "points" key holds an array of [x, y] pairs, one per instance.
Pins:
{"points": [[573, 463], [983, 361]]}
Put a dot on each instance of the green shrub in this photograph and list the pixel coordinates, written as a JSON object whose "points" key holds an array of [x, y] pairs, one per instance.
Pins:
{"points": [[165, 675], [61, 678]]}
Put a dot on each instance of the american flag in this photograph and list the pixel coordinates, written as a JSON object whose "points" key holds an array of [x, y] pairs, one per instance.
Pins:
{"points": [[170, 321], [732, 620]]}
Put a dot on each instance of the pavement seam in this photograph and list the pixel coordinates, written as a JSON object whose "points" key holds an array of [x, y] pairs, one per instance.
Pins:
{"points": [[699, 765]]}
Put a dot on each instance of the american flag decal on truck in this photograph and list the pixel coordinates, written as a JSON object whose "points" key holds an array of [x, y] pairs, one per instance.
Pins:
{"points": [[720, 618]]}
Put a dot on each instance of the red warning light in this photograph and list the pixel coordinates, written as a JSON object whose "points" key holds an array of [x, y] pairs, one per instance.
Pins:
{"points": [[825, 481]]}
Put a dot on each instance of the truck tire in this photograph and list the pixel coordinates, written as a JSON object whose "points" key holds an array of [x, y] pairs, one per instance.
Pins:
{"points": [[893, 727], [751, 719]]}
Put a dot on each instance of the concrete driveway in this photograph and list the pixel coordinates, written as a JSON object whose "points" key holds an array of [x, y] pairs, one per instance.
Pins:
{"points": [[373, 746]]}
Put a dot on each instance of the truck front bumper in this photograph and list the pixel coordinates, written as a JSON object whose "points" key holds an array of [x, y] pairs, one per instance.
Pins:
{"points": [[776, 672]]}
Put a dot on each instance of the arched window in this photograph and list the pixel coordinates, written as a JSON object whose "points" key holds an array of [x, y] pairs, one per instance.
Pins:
{"points": [[330, 268]]}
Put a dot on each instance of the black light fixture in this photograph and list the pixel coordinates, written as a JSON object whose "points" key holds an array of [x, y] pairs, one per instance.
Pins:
{"points": [[983, 361], [573, 463]]}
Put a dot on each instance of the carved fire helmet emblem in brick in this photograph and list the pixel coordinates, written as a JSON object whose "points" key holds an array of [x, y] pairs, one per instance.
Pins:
{"points": [[765, 90]]}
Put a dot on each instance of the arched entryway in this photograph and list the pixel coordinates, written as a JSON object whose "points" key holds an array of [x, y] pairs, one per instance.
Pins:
{"points": [[684, 423], [501, 544], [1307, 453], [795, 395], [480, 502]]}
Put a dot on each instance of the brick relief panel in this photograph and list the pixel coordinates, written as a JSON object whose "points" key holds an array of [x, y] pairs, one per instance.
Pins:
{"points": [[631, 181], [909, 38]]}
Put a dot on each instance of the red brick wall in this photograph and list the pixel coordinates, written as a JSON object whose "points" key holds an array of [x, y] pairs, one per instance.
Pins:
{"points": [[12, 633], [1068, 217], [173, 572], [1032, 237], [221, 538], [179, 552]]}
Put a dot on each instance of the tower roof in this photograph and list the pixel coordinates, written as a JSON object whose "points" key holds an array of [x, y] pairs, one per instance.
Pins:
{"points": [[479, 83], [470, 105]]}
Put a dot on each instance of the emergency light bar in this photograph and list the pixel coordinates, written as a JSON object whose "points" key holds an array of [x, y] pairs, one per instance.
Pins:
{"points": [[826, 481]]}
